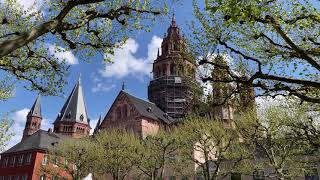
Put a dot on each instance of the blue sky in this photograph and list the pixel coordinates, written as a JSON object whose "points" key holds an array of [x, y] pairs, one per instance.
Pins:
{"points": [[100, 83]]}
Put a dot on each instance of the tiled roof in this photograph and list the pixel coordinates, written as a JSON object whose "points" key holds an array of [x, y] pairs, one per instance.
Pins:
{"points": [[36, 108], [74, 108], [40, 140], [149, 109]]}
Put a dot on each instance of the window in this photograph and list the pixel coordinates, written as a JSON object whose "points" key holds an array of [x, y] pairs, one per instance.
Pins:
{"points": [[12, 161], [9, 178], [56, 162], [24, 177], [172, 178], [20, 160], [184, 178], [235, 176], [66, 162], [125, 111], [43, 177], [16, 178], [1, 177], [45, 160], [54, 177], [118, 115], [311, 174], [5, 162], [28, 158], [258, 174], [81, 117]]}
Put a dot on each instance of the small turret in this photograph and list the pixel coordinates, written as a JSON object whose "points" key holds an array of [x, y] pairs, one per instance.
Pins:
{"points": [[34, 119]]}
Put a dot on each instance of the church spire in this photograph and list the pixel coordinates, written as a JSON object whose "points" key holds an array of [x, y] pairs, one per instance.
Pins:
{"points": [[74, 108], [73, 114], [34, 119], [36, 107]]}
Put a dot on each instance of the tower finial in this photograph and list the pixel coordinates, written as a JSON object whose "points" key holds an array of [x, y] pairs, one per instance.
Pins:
{"points": [[173, 21], [122, 86], [158, 52]]}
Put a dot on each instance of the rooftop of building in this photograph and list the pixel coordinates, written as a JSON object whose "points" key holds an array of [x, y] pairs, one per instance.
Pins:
{"points": [[40, 140]]}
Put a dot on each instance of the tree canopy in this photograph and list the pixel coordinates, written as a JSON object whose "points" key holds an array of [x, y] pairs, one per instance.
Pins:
{"points": [[86, 27], [272, 46]]}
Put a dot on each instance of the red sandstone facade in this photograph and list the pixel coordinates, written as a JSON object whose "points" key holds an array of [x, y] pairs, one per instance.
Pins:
{"points": [[134, 115], [29, 165], [28, 159]]}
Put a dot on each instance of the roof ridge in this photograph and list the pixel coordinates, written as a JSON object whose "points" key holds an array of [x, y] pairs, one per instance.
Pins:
{"points": [[36, 107], [69, 100], [137, 97]]}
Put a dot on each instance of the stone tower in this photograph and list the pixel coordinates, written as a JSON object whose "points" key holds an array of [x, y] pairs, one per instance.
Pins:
{"points": [[73, 118], [223, 107], [34, 119], [173, 75]]}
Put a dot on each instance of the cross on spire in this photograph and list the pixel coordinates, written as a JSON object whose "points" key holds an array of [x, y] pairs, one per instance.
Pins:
{"points": [[123, 86], [173, 21]]}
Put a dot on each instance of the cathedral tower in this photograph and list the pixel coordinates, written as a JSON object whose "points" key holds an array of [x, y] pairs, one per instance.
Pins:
{"points": [[173, 75], [34, 119], [223, 107], [73, 119]]}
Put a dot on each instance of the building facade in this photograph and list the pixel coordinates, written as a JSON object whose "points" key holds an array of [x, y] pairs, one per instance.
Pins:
{"points": [[173, 83], [28, 160]]}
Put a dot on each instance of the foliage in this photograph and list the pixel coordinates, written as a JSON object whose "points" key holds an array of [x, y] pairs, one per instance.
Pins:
{"points": [[156, 154], [214, 148], [5, 135], [117, 153], [272, 141], [78, 157], [30, 37], [272, 45]]}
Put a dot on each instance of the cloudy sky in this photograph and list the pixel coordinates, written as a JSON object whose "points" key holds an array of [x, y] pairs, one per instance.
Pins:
{"points": [[101, 82]]}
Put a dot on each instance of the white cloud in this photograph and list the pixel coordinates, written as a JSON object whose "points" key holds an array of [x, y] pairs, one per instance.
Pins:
{"points": [[62, 54], [28, 4], [33, 7], [125, 63], [100, 85], [19, 118]]}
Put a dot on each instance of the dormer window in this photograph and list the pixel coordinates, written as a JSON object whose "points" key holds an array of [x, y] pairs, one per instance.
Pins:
{"points": [[149, 109], [81, 117], [68, 116]]}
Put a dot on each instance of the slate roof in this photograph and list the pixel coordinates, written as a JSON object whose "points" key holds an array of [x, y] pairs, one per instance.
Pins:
{"points": [[98, 124], [74, 109], [36, 108], [149, 109], [40, 140]]}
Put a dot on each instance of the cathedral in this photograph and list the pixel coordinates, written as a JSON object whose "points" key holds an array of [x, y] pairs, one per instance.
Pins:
{"points": [[170, 94]]}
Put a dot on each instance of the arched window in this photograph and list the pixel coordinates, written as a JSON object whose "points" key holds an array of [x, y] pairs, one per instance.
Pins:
{"points": [[164, 69], [43, 177], [125, 111], [172, 69], [118, 113]]}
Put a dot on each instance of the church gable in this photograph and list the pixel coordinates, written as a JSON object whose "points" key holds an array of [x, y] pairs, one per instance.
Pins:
{"points": [[122, 114]]}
